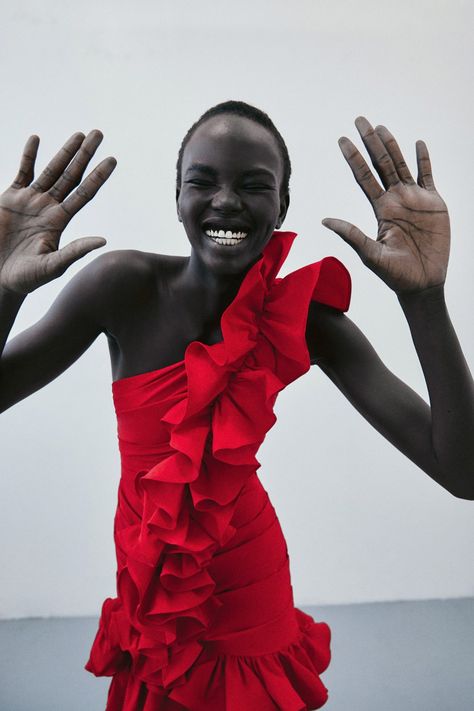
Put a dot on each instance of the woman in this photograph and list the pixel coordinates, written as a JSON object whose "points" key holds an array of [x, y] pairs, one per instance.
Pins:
{"points": [[200, 347]]}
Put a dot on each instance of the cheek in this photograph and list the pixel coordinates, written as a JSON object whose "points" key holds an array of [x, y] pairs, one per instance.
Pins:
{"points": [[190, 203]]}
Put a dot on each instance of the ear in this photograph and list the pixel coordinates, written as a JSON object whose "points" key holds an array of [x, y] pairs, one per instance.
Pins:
{"points": [[177, 204], [284, 205]]}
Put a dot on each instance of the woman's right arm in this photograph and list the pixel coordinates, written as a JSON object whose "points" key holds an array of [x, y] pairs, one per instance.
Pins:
{"points": [[32, 218], [77, 316]]}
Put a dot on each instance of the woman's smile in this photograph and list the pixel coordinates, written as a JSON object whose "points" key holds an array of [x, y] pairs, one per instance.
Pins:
{"points": [[226, 237]]}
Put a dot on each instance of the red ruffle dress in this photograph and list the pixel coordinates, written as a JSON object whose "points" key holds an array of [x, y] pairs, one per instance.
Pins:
{"points": [[204, 618]]}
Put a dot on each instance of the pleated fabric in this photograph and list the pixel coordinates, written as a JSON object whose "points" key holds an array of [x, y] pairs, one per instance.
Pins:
{"points": [[204, 617]]}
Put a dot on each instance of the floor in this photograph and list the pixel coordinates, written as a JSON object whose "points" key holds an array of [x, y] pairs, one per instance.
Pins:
{"points": [[403, 656]]}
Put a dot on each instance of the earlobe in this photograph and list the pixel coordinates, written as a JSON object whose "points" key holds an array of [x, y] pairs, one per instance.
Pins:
{"points": [[284, 205], [177, 205]]}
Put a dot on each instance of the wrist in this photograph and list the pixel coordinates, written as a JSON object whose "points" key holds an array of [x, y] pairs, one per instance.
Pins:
{"points": [[432, 296], [12, 298]]}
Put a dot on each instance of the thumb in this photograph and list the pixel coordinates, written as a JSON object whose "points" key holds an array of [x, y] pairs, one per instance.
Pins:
{"points": [[60, 260], [363, 245]]}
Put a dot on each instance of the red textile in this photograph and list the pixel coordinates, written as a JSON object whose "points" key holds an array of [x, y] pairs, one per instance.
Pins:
{"points": [[204, 617]]}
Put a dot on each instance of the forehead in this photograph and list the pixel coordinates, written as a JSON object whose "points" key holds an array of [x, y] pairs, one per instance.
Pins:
{"points": [[234, 141]]}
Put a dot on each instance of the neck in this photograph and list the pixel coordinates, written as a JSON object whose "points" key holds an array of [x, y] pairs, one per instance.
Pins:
{"points": [[212, 290]]}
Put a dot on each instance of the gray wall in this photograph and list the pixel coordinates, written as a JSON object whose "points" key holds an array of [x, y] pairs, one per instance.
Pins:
{"points": [[362, 522]]}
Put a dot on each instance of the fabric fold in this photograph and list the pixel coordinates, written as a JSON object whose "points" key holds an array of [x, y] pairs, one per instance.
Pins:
{"points": [[158, 631]]}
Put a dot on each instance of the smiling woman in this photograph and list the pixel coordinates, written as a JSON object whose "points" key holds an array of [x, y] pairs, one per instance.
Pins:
{"points": [[200, 347]]}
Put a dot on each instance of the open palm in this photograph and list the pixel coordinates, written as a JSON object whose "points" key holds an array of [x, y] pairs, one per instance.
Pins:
{"points": [[411, 250], [34, 214]]}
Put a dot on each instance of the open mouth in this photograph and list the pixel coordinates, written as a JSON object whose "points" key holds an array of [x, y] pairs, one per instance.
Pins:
{"points": [[226, 237]]}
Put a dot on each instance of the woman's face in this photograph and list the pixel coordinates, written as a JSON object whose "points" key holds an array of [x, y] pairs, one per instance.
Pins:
{"points": [[232, 173]]}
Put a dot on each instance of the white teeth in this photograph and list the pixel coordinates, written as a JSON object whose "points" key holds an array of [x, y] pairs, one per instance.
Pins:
{"points": [[225, 241], [226, 236]]}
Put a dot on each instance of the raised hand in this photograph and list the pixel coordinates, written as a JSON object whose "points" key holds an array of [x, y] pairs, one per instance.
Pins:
{"points": [[411, 251], [33, 213]]}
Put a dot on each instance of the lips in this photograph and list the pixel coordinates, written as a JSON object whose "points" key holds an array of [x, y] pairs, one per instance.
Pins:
{"points": [[225, 233]]}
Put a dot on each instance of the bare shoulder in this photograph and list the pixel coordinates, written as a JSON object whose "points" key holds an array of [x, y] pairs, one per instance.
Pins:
{"points": [[119, 266], [121, 279], [125, 266]]}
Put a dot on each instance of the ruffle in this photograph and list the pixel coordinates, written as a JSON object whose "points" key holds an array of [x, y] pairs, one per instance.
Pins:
{"points": [[153, 630], [287, 679]]}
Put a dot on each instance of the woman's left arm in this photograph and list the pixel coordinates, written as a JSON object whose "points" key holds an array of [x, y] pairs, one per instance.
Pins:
{"points": [[410, 255]]}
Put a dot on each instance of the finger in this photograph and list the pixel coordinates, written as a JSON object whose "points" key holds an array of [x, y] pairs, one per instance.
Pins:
{"points": [[26, 171], [57, 262], [395, 153], [89, 187], [360, 169], [72, 175], [380, 157], [365, 247], [425, 177], [57, 165]]}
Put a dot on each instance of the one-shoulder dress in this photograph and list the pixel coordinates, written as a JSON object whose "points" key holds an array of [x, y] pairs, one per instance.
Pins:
{"points": [[204, 617]]}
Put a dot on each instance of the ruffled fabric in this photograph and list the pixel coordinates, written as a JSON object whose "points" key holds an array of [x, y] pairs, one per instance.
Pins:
{"points": [[159, 637], [287, 680]]}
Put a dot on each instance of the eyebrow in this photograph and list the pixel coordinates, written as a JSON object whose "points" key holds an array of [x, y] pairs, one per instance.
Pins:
{"points": [[202, 168]]}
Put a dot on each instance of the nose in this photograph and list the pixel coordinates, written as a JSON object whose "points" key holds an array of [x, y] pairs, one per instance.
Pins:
{"points": [[226, 199]]}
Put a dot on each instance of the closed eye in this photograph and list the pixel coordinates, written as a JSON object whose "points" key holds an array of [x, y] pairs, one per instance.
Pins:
{"points": [[201, 183], [257, 187]]}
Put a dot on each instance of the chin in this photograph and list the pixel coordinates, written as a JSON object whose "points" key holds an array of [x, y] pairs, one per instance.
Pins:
{"points": [[220, 259]]}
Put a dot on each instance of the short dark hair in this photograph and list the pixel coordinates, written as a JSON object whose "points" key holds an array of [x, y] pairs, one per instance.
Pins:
{"points": [[240, 108]]}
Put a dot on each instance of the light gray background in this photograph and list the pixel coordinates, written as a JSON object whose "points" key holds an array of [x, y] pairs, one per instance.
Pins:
{"points": [[361, 521]]}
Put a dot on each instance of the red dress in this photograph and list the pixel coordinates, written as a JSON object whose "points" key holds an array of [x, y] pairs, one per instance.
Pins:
{"points": [[204, 618]]}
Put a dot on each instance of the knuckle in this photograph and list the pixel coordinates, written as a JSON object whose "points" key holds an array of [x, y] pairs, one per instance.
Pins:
{"points": [[69, 153], [353, 232], [365, 175], [83, 192], [98, 176], [66, 210], [85, 150], [67, 177]]}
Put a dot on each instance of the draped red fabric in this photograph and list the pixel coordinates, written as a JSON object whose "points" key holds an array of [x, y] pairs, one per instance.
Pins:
{"points": [[204, 617]]}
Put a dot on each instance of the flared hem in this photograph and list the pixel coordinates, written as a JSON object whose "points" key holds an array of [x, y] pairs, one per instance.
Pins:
{"points": [[285, 680]]}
